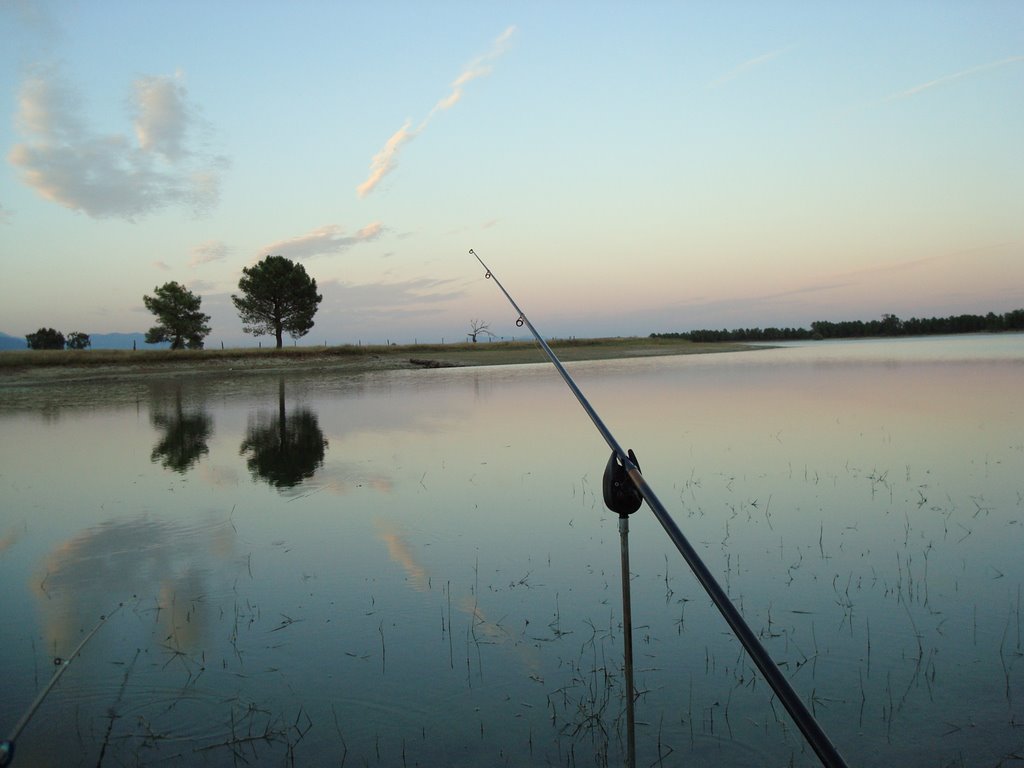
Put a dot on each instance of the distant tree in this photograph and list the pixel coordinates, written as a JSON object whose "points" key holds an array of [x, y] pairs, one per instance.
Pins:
{"points": [[78, 340], [476, 327], [277, 296], [177, 310], [889, 325], [1014, 321], [45, 338]]}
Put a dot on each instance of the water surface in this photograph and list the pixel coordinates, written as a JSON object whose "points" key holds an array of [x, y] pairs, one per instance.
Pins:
{"points": [[417, 567]]}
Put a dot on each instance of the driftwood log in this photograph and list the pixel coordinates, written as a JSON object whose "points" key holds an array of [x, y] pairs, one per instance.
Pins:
{"points": [[432, 363]]}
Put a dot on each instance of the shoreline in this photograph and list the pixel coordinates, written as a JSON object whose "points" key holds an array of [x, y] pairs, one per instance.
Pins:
{"points": [[40, 368]]}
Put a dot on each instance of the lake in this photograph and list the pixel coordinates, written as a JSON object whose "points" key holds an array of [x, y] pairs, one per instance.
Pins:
{"points": [[417, 567]]}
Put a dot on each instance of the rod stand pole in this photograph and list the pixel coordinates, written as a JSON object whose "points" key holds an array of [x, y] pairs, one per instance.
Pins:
{"points": [[627, 641]]}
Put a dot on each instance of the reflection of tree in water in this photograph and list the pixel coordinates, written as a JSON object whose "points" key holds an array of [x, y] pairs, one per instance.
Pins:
{"points": [[284, 449], [184, 434]]}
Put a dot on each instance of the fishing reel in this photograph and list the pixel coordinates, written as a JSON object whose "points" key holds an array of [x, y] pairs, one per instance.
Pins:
{"points": [[620, 492]]}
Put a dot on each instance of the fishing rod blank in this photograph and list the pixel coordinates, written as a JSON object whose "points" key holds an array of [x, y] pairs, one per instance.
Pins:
{"points": [[7, 746], [809, 727]]}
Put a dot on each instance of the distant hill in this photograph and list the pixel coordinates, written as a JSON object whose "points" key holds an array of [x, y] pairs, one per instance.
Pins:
{"points": [[12, 342], [99, 341], [123, 341]]}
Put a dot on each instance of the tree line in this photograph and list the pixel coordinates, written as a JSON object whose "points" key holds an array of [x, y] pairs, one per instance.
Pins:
{"points": [[887, 325], [276, 296], [48, 338]]}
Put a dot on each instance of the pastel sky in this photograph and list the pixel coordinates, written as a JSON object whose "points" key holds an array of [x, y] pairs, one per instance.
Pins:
{"points": [[623, 167]]}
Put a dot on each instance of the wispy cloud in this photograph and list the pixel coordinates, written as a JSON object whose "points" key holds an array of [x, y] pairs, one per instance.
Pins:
{"points": [[162, 117], [387, 158], [326, 240], [747, 66], [910, 92], [5, 214], [385, 298], [163, 266], [112, 175], [201, 286], [205, 253], [402, 309]]}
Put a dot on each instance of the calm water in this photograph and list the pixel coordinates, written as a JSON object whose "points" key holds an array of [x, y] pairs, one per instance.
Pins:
{"points": [[417, 568]]}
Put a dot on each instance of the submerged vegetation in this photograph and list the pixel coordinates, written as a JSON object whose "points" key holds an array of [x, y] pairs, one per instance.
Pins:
{"points": [[888, 325]]}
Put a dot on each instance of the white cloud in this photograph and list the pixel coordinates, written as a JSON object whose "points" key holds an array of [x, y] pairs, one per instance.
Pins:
{"points": [[479, 67], [112, 175], [326, 240], [162, 120], [906, 94], [387, 159], [210, 251], [163, 266], [745, 67]]}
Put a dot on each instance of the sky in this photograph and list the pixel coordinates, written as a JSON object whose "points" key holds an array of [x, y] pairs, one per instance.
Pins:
{"points": [[623, 168]]}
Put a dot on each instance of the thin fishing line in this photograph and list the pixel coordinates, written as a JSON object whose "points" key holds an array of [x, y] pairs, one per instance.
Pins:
{"points": [[7, 746], [809, 727]]}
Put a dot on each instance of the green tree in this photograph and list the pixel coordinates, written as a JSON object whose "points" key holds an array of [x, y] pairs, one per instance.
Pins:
{"points": [[276, 296], [78, 340], [177, 310], [1014, 320], [45, 338]]}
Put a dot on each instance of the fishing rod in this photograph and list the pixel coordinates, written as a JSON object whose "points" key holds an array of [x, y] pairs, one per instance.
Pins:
{"points": [[629, 470], [7, 746]]}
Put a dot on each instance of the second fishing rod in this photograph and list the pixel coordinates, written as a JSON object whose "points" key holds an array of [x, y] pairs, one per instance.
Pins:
{"points": [[798, 711]]}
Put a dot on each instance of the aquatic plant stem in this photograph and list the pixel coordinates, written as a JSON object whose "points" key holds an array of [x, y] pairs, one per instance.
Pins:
{"points": [[798, 711]]}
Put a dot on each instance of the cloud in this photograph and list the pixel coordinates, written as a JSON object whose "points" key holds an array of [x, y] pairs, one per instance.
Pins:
{"points": [[5, 214], [479, 67], [384, 298], [33, 17], [204, 253], [909, 92], [745, 67], [162, 120], [113, 175], [387, 159], [326, 240], [376, 312], [162, 265], [199, 286]]}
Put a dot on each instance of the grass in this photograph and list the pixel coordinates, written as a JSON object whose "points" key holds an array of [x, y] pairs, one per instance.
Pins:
{"points": [[358, 357]]}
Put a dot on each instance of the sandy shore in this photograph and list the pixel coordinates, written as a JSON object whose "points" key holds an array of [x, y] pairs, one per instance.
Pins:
{"points": [[19, 370]]}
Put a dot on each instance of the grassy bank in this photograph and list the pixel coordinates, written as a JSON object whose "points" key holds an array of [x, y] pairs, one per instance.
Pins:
{"points": [[64, 364]]}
